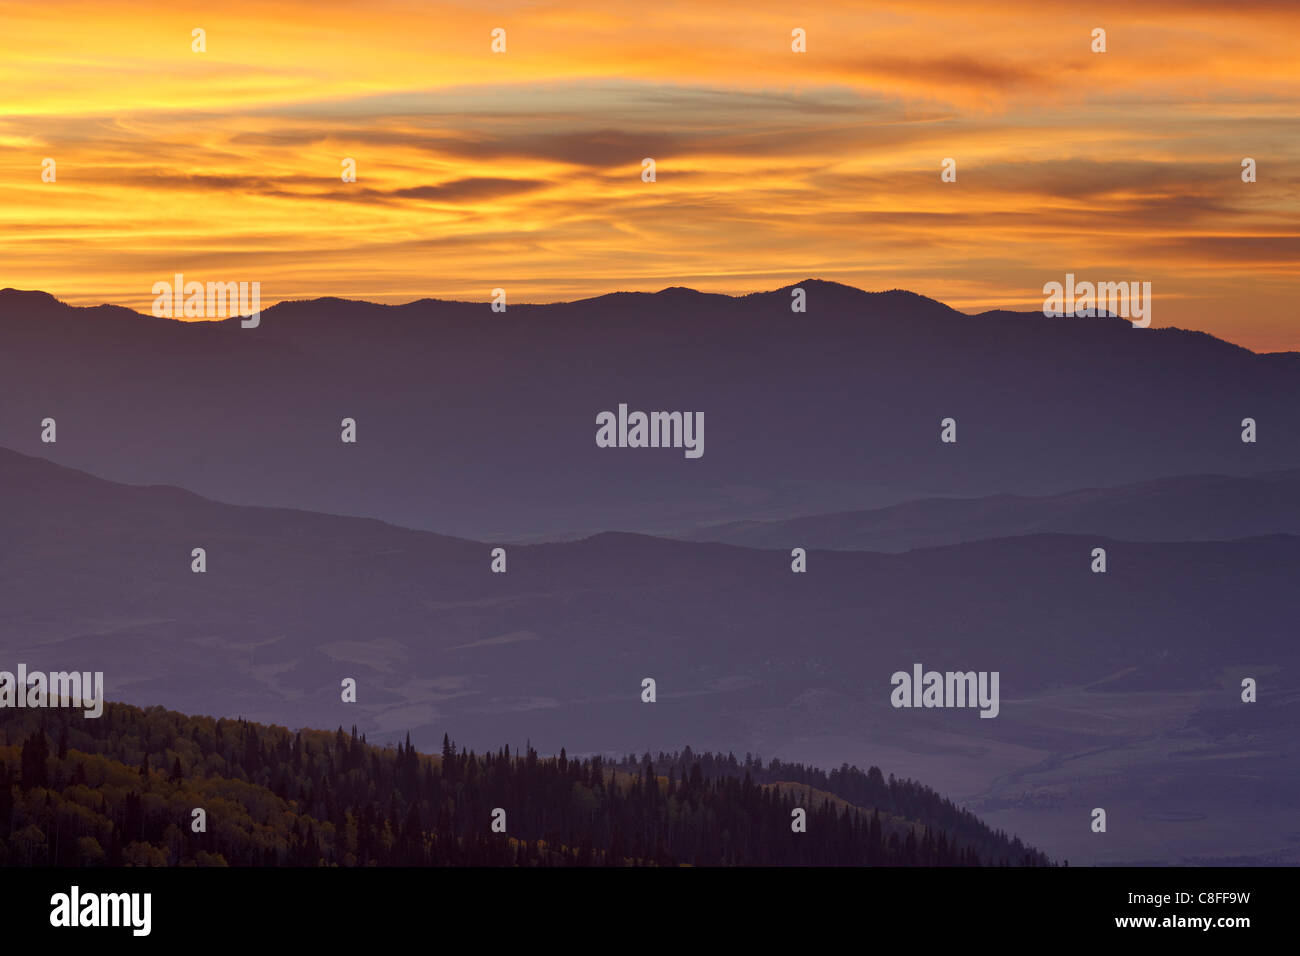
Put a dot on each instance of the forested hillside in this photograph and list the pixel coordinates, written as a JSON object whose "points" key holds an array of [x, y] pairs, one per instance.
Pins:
{"points": [[903, 801], [122, 790]]}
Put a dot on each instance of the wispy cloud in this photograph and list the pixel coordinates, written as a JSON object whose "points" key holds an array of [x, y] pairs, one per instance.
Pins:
{"points": [[478, 170]]}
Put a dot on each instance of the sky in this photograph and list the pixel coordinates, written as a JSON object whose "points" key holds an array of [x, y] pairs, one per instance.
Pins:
{"points": [[523, 170]]}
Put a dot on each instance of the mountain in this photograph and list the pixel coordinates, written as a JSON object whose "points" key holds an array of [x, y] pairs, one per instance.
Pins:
{"points": [[1185, 508], [112, 791], [1119, 689], [483, 425]]}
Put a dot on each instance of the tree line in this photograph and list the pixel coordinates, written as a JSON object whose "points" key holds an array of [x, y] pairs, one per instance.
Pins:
{"points": [[122, 790]]}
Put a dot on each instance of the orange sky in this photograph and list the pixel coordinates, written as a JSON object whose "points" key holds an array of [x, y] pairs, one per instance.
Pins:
{"points": [[522, 170]]}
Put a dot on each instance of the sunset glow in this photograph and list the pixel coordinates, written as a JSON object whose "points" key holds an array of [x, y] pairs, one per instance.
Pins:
{"points": [[522, 170]]}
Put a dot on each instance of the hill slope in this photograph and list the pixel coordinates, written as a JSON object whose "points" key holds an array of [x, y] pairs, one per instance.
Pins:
{"points": [[1104, 677], [121, 790], [1187, 508]]}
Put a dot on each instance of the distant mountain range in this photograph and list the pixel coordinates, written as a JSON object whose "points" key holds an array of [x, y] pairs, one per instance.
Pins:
{"points": [[1190, 508], [747, 655], [483, 425]]}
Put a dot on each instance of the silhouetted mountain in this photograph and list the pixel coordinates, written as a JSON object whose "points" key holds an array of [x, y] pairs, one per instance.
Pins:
{"points": [[483, 424], [122, 790], [1095, 669], [1190, 508]]}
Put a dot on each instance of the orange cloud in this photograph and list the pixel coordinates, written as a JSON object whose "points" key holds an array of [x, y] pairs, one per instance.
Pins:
{"points": [[477, 170]]}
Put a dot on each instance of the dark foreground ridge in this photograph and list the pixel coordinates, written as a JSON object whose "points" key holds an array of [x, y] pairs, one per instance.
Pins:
{"points": [[121, 790]]}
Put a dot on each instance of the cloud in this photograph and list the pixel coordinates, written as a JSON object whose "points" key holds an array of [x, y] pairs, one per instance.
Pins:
{"points": [[525, 168]]}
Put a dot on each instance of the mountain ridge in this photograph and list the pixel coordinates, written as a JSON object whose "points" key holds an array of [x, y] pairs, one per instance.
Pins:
{"points": [[1199, 507], [46, 302], [343, 795], [483, 425]]}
